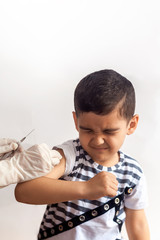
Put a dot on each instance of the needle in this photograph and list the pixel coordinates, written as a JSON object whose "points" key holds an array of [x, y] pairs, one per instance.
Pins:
{"points": [[26, 135]]}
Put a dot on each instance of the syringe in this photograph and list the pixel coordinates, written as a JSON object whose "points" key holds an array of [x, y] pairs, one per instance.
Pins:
{"points": [[9, 154]]}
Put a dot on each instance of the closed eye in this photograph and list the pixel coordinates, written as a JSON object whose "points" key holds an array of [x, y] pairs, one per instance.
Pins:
{"points": [[111, 131], [86, 130]]}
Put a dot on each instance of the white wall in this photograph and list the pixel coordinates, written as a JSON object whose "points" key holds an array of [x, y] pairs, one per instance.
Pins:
{"points": [[46, 47]]}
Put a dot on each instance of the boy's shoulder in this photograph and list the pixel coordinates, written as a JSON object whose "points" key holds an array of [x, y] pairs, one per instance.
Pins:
{"points": [[69, 154], [130, 166], [130, 161], [67, 146], [71, 145]]}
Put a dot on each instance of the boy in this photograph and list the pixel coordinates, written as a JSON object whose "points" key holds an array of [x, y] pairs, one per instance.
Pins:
{"points": [[102, 186]]}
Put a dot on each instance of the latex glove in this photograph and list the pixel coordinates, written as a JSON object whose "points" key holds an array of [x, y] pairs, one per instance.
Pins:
{"points": [[35, 162], [7, 145]]}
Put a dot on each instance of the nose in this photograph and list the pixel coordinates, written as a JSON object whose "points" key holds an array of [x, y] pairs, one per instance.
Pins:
{"points": [[98, 140]]}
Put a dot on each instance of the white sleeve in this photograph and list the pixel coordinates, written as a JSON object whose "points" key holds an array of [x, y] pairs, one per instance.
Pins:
{"points": [[70, 155], [138, 199]]}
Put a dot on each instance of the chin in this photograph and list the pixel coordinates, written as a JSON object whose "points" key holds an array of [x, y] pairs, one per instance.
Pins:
{"points": [[99, 159]]}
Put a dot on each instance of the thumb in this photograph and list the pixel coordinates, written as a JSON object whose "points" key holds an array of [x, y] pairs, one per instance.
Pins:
{"points": [[8, 148]]}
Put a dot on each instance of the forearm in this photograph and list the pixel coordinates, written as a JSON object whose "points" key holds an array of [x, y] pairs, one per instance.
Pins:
{"points": [[140, 233], [137, 225], [46, 191]]}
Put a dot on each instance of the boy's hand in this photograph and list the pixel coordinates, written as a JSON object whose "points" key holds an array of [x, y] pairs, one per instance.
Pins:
{"points": [[103, 184]]}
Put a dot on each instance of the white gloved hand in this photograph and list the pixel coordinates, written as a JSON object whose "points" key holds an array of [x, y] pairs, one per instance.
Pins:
{"points": [[7, 145], [32, 163]]}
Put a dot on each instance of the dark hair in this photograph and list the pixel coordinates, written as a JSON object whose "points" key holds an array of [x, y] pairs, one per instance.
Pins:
{"points": [[101, 92]]}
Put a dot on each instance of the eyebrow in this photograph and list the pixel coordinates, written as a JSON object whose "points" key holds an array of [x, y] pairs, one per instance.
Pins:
{"points": [[105, 130]]}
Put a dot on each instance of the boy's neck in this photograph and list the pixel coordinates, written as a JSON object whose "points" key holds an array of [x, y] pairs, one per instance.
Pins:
{"points": [[109, 162]]}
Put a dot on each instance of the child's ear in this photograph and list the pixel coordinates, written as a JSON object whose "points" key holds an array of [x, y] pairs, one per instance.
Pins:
{"points": [[133, 124], [75, 120]]}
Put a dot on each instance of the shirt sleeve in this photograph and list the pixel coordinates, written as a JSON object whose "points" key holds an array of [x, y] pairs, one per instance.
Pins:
{"points": [[70, 155], [138, 199]]}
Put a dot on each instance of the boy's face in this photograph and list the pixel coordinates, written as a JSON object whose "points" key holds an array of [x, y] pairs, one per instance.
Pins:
{"points": [[102, 136]]}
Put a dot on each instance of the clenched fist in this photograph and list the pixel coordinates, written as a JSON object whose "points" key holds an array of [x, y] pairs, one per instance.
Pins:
{"points": [[103, 184]]}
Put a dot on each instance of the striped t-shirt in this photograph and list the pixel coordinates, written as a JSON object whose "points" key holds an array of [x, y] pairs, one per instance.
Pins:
{"points": [[80, 167]]}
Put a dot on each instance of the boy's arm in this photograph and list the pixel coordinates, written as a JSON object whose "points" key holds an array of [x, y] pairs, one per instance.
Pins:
{"points": [[49, 189], [136, 225]]}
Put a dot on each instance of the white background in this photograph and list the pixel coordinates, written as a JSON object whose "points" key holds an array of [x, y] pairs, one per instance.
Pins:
{"points": [[46, 47]]}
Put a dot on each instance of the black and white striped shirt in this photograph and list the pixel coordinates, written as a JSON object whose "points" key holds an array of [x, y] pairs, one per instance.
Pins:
{"points": [[80, 167]]}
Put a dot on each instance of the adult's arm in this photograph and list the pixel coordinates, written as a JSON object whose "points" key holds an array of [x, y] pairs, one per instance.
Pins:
{"points": [[28, 164]]}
